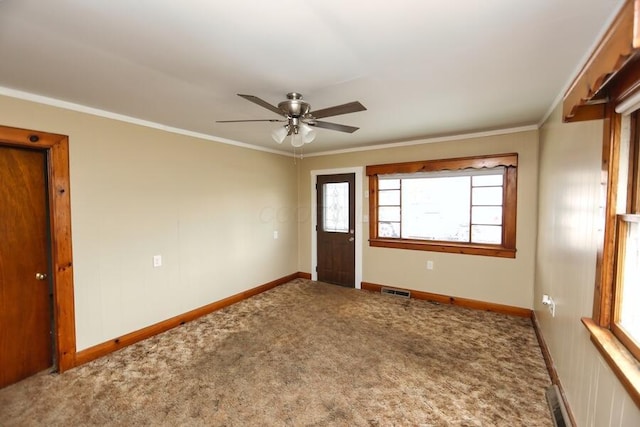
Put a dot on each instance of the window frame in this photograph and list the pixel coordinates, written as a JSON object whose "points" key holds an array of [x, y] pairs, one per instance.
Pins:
{"points": [[507, 249], [631, 214], [609, 79], [615, 346]]}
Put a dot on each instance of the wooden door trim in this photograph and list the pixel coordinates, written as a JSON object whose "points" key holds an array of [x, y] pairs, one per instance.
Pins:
{"points": [[57, 152], [359, 173]]}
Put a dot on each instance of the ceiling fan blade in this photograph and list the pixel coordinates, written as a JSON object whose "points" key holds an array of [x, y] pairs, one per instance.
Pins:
{"points": [[350, 107], [333, 126], [258, 120], [262, 103]]}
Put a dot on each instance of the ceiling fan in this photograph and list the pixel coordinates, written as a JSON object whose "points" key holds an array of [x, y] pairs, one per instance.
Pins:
{"points": [[300, 119]]}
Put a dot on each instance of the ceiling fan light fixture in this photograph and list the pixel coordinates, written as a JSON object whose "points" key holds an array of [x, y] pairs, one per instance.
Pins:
{"points": [[280, 134], [297, 139], [308, 133]]}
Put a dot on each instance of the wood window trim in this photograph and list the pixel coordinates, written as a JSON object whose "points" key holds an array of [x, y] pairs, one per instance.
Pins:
{"points": [[506, 250], [56, 148], [608, 78], [620, 44], [601, 327], [619, 359]]}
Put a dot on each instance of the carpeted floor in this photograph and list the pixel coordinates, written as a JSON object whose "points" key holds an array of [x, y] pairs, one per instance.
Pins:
{"points": [[306, 354]]}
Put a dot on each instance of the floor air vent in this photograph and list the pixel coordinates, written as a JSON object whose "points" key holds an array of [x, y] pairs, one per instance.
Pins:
{"points": [[396, 292], [556, 405]]}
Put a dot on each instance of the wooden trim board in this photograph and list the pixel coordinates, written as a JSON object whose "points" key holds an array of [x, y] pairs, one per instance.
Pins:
{"points": [[609, 57], [623, 364], [462, 302], [110, 346]]}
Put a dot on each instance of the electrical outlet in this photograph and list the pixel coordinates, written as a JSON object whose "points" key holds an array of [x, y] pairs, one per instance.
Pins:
{"points": [[275, 235], [550, 303], [157, 260], [429, 265]]}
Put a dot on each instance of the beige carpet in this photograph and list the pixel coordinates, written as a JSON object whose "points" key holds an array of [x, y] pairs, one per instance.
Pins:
{"points": [[306, 354]]}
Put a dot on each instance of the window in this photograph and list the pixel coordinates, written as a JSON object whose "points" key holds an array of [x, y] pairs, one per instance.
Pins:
{"points": [[465, 205], [625, 316], [335, 217], [609, 89], [615, 326]]}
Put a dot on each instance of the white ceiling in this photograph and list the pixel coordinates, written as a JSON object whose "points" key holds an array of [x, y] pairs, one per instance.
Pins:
{"points": [[423, 68]]}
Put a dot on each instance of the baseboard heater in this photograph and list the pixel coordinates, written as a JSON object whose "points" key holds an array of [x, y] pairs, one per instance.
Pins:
{"points": [[556, 405], [396, 292]]}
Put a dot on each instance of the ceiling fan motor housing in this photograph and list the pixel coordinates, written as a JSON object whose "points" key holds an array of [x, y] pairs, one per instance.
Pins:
{"points": [[294, 106]]}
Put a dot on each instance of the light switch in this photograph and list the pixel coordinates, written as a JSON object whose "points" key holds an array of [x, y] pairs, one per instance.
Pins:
{"points": [[275, 235], [157, 260]]}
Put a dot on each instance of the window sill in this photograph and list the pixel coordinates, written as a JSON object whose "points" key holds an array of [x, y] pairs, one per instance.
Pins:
{"points": [[624, 365], [450, 247]]}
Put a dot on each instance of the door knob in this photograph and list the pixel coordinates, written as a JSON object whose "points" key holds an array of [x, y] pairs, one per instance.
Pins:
{"points": [[351, 239], [41, 276]]}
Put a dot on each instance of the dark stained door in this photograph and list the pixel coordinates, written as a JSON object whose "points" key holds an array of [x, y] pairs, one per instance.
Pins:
{"points": [[336, 229], [25, 297]]}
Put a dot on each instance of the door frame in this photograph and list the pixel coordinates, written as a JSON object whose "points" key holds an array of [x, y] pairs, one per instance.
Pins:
{"points": [[358, 171], [56, 148]]}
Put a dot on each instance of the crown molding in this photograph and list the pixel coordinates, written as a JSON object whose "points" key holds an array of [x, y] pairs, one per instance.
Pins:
{"points": [[26, 96]]}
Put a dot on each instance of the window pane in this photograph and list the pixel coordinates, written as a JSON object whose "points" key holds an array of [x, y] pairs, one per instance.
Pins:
{"points": [[486, 234], [388, 229], [388, 184], [486, 215], [487, 196], [485, 180], [436, 208], [336, 207], [389, 214], [629, 312], [389, 198]]}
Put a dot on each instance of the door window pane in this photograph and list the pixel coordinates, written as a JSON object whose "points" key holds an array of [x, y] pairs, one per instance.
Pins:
{"points": [[336, 207]]}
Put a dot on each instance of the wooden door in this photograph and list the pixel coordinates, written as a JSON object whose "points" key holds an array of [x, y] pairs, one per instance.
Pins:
{"points": [[25, 298], [336, 229]]}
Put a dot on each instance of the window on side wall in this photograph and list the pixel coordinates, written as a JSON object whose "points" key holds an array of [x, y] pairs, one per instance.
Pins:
{"points": [[463, 205], [625, 316]]}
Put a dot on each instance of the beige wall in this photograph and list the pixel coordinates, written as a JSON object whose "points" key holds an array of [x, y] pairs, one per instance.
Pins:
{"points": [[209, 209], [569, 229], [497, 280]]}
